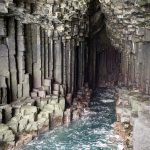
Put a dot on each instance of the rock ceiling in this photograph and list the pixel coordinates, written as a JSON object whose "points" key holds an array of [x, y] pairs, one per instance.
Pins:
{"points": [[125, 19]]}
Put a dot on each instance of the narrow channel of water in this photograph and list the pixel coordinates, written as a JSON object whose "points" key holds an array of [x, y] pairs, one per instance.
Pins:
{"points": [[92, 132]]}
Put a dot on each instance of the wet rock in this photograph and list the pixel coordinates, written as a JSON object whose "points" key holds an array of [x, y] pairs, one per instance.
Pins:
{"points": [[9, 136], [6, 134], [67, 116], [69, 99], [3, 8], [42, 102], [75, 115], [54, 99], [14, 123], [56, 121], [3, 128], [62, 103], [141, 135], [33, 126], [41, 122], [22, 124], [136, 115], [41, 93], [23, 139], [27, 110]]}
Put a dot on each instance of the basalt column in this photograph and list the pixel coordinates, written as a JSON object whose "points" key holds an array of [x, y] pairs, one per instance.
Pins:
{"points": [[57, 57], [43, 58], [4, 65], [64, 62], [81, 63], [36, 55], [51, 58], [68, 64], [11, 43], [20, 51]]}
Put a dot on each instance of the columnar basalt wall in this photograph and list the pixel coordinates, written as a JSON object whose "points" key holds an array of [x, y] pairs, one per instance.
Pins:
{"points": [[42, 66], [127, 24], [38, 44], [128, 29]]}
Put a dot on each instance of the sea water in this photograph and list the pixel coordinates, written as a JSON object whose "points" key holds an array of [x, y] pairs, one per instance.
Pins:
{"points": [[92, 132]]}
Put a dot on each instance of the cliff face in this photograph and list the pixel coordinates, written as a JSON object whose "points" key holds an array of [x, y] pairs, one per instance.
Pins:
{"points": [[38, 43], [42, 48], [128, 29]]}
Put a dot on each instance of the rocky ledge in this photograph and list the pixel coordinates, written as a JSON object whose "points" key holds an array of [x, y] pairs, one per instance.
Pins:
{"points": [[25, 119], [132, 109]]}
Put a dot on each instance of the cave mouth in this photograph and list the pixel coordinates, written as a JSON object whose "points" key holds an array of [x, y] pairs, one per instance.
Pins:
{"points": [[104, 57], [107, 70]]}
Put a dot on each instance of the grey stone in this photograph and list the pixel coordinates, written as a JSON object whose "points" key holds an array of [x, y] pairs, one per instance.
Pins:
{"points": [[58, 110], [3, 50], [41, 121], [4, 67], [3, 8], [20, 43], [3, 82], [27, 110], [14, 85], [41, 93], [37, 75], [47, 82], [49, 108], [8, 113], [33, 94], [32, 127], [1, 116], [20, 91], [9, 136], [141, 135], [12, 61], [26, 87], [62, 103], [13, 123], [3, 128], [22, 124], [2, 22]]}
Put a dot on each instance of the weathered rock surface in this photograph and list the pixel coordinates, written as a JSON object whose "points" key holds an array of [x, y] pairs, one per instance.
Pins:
{"points": [[133, 112], [35, 117]]}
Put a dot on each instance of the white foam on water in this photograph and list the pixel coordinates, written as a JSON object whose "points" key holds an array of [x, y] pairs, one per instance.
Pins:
{"points": [[101, 145], [107, 100], [92, 132], [120, 147]]}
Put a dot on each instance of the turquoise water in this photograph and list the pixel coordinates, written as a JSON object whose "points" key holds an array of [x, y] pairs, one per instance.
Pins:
{"points": [[92, 132]]}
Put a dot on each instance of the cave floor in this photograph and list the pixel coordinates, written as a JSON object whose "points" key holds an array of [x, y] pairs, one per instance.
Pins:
{"points": [[92, 132]]}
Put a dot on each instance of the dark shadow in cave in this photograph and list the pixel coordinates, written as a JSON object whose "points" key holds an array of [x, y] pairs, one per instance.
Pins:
{"points": [[104, 59]]}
